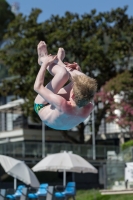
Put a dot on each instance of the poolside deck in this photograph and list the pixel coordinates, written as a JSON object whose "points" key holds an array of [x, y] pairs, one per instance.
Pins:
{"points": [[111, 192]]}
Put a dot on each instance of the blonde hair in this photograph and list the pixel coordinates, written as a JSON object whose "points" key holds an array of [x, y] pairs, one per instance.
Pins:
{"points": [[84, 89]]}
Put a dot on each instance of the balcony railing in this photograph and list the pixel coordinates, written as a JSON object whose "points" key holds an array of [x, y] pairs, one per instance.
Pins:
{"points": [[34, 149]]}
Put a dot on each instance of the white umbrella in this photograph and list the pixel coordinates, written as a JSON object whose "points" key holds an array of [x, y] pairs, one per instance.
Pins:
{"points": [[64, 162], [19, 170]]}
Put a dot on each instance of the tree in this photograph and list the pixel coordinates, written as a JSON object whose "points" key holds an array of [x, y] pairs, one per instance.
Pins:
{"points": [[117, 95], [6, 16], [95, 41]]}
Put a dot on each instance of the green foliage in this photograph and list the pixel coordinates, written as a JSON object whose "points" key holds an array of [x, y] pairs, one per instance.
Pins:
{"points": [[95, 195], [3, 71], [6, 16], [127, 144], [122, 82], [87, 194]]}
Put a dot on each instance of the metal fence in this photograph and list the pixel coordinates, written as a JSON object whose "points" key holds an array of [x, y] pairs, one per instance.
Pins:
{"points": [[115, 169], [34, 149], [115, 173]]}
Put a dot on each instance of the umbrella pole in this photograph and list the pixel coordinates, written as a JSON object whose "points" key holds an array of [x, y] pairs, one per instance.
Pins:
{"points": [[15, 183], [73, 176], [64, 178], [43, 140]]}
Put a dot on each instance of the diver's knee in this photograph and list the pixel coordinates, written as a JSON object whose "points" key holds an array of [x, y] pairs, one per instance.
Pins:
{"points": [[64, 73]]}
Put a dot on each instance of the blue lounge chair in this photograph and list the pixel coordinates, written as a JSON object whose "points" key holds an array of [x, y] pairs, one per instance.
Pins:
{"points": [[17, 193], [41, 192], [70, 191]]}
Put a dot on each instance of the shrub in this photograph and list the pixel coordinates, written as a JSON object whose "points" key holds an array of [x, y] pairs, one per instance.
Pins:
{"points": [[127, 144]]}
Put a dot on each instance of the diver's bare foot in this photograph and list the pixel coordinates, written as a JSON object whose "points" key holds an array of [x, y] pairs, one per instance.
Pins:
{"points": [[42, 51], [61, 54]]}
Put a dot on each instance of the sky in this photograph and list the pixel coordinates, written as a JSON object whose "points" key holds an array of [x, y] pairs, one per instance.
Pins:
{"points": [[54, 7]]}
